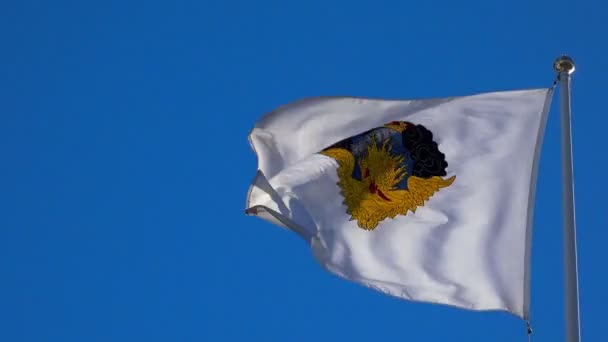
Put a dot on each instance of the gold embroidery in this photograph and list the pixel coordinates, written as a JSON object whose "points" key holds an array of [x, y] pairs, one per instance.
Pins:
{"points": [[376, 197]]}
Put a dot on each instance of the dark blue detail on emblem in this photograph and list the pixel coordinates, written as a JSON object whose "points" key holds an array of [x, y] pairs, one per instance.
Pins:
{"points": [[422, 157], [358, 146]]}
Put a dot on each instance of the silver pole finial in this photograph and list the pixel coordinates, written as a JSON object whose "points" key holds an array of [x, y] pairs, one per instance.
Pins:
{"points": [[564, 64]]}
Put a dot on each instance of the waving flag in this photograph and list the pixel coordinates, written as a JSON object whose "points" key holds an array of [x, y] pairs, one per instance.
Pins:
{"points": [[427, 200]]}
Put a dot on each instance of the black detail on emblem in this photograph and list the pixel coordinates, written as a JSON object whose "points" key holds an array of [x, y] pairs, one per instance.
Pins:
{"points": [[428, 160]]}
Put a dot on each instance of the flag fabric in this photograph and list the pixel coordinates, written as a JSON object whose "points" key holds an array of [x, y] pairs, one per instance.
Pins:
{"points": [[427, 200]]}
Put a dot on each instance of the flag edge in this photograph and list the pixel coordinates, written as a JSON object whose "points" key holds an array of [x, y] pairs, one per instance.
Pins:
{"points": [[531, 202]]}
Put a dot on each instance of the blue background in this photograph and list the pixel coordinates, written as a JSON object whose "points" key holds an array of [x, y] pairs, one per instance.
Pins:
{"points": [[124, 162]]}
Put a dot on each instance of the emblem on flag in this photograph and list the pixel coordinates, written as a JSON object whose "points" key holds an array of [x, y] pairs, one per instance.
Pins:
{"points": [[388, 171]]}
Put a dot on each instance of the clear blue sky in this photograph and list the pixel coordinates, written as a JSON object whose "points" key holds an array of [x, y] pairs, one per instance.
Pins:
{"points": [[124, 162]]}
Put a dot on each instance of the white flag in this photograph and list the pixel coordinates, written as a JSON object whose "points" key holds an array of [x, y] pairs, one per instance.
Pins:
{"points": [[425, 200]]}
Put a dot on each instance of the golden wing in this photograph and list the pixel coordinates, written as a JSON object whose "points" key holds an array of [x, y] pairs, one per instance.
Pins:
{"points": [[370, 209], [373, 209], [419, 191], [353, 190]]}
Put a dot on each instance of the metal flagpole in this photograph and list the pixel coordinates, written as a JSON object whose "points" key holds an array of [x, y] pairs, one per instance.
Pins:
{"points": [[564, 65]]}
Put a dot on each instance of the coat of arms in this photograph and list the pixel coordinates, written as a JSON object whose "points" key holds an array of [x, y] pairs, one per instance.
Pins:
{"points": [[387, 171]]}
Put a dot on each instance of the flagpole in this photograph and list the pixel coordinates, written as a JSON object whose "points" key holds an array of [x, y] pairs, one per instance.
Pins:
{"points": [[564, 66]]}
